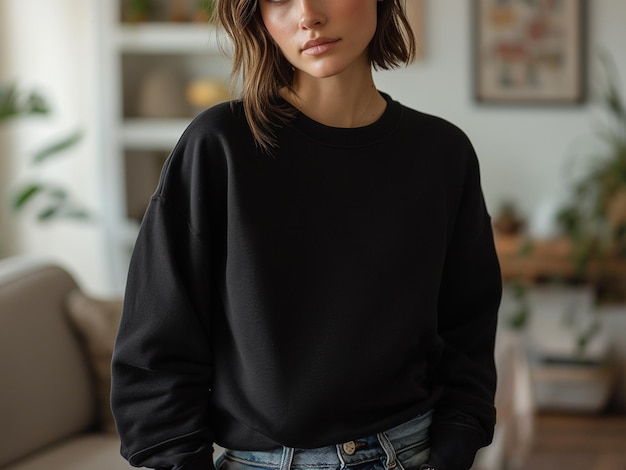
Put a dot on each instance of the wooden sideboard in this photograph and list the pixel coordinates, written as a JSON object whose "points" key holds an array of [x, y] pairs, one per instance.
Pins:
{"points": [[532, 260]]}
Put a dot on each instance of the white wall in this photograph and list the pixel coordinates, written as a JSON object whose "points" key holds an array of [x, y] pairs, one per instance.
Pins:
{"points": [[523, 150], [50, 45]]}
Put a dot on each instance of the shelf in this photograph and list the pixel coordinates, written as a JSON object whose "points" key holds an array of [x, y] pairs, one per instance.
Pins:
{"points": [[152, 134], [174, 38], [131, 56], [532, 260]]}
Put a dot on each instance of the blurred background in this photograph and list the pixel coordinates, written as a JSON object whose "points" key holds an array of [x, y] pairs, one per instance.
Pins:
{"points": [[95, 93]]}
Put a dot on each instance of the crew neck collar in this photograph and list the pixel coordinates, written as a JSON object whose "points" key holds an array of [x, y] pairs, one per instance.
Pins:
{"points": [[347, 137]]}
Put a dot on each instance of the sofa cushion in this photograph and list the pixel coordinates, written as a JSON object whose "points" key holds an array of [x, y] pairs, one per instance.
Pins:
{"points": [[96, 321], [47, 392], [84, 452]]}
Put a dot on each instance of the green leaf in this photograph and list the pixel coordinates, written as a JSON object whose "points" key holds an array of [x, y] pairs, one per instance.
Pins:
{"points": [[76, 214], [37, 104], [526, 248], [58, 146], [8, 102], [59, 194], [12, 104], [63, 210], [57, 200], [519, 318], [48, 213], [26, 194]]}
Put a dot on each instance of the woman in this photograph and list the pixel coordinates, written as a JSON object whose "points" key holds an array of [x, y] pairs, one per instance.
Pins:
{"points": [[314, 283]]}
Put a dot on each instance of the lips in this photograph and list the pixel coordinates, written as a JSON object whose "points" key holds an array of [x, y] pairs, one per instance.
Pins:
{"points": [[318, 46]]}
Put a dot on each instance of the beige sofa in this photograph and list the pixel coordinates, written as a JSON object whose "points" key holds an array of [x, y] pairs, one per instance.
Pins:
{"points": [[51, 412], [55, 348]]}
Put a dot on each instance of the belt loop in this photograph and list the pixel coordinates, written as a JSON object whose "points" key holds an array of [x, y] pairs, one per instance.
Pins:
{"points": [[389, 450], [286, 459], [343, 462]]}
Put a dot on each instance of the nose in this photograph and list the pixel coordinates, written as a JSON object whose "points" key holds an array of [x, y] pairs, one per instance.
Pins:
{"points": [[311, 14]]}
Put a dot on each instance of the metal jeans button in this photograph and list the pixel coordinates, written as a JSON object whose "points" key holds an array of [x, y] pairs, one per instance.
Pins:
{"points": [[349, 447]]}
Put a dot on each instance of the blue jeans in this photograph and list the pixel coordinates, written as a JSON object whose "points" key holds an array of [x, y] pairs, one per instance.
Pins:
{"points": [[404, 447]]}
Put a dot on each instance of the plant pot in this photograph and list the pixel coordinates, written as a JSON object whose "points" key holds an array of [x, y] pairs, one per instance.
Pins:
{"points": [[616, 210], [178, 11]]}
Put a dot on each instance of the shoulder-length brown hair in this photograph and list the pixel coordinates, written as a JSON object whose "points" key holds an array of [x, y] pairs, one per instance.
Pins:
{"points": [[264, 70]]}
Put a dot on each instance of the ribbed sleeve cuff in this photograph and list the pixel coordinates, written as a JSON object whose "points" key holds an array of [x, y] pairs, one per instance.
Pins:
{"points": [[454, 447]]}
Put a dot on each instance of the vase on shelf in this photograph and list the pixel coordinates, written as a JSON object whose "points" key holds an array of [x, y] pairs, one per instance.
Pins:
{"points": [[204, 93], [178, 12], [162, 95]]}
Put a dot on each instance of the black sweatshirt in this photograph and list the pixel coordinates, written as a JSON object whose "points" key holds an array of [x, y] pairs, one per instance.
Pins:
{"points": [[331, 291]]}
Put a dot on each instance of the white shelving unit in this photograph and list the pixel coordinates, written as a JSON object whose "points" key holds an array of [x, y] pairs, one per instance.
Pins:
{"points": [[151, 134], [134, 145], [175, 38]]}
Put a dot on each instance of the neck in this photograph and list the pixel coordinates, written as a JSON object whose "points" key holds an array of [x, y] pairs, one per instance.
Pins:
{"points": [[337, 101]]}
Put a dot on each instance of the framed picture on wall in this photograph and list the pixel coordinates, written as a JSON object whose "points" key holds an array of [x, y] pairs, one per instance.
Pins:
{"points": [[529, 51]]}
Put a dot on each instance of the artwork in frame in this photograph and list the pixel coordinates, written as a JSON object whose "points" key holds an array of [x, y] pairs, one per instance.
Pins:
{"points": [[529, 51]]}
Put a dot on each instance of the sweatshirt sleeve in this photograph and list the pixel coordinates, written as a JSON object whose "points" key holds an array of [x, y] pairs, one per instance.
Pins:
{"points": [[162, 364], [468, 305]]}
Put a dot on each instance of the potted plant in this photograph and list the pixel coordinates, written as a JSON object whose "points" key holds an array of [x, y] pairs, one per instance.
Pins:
{"points": [[54, 200], [508, 220], [138, 11], [594, 218]]}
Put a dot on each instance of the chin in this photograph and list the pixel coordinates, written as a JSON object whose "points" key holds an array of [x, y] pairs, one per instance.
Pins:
{"points": [[325, 72]]}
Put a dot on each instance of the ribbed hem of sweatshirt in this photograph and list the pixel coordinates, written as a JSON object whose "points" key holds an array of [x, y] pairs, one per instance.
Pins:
{"points": [[199, 463]]}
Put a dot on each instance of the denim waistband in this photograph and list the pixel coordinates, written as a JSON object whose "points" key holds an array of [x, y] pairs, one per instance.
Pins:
{"points": [[384, 444]]}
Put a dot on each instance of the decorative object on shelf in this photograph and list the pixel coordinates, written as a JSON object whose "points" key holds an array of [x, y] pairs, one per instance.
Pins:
{"points": [[508, 221], [204, 93], [542, 223], [137, 11], [161, 94], [529, 52], [416, 11], [595, 216], [178, 11]]}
